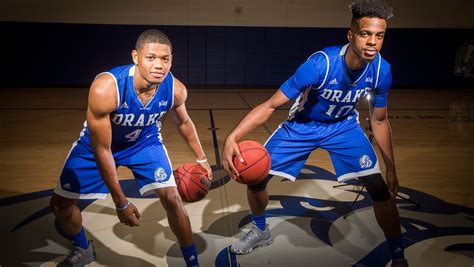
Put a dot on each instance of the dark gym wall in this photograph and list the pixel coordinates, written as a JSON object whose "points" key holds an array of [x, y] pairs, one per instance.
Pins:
{"points": [[49, 48]]}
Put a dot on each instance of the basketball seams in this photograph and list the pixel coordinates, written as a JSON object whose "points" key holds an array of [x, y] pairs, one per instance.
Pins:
{"points": [[258, 168], [187, 187], [188, 194], [199, 185], [179, 180], [264, 170], [253, 148], [196, 194], [192, 167], [256, 161]]}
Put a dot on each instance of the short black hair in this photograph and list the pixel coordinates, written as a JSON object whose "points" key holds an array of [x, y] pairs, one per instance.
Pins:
{"points": [[370, 9], [152, 36]]}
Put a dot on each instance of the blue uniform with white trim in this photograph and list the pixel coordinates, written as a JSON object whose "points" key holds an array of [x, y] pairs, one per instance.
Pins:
{"points": [[324, 115], [136, 142]]}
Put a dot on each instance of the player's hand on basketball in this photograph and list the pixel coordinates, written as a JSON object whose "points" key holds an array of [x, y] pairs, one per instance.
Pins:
{"points": [[392, 183], [231, 150], [206, 166], [129, 215]]}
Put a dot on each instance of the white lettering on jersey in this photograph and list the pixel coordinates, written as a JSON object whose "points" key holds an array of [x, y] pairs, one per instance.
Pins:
{"points": [[348, 97], [152, 119], [117, 119], [140, 120], [337, 94], [358, 95], [326, 94], [128, 119], [161, 114]]}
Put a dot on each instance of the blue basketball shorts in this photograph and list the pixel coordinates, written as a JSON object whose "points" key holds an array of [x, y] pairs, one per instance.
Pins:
{"points": [[351, 153], [80, 177]]}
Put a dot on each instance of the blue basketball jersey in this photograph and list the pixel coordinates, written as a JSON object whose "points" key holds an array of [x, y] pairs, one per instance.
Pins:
{"points": [[325, 92], [133, 124]]}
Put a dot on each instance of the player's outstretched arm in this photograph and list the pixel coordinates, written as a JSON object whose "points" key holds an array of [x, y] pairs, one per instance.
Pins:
{"points": [[383, 136], [256, 117], [185, 125], [103, 101]]}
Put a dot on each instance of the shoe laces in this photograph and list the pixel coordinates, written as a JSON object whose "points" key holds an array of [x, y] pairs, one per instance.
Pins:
{"points": [[74, 254], [252, 234]]}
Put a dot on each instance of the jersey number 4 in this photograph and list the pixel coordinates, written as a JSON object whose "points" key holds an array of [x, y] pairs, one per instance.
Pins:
{"points": [[132, 137]]}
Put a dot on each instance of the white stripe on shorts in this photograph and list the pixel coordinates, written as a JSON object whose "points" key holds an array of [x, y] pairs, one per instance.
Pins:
{"points": [[148, 189], [71, 195], [284, 175], [353, 175]]}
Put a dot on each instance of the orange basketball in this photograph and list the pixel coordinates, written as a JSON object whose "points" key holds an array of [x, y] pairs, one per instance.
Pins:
{"points": [[256, 163], [192, 182]]}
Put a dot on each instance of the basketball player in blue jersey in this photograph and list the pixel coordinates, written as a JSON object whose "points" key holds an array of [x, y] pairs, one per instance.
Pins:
{"points": [[327, 88], [123, 129]]}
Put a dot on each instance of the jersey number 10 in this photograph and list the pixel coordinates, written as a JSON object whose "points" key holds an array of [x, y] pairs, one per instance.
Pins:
{"points": [[343, 111]]}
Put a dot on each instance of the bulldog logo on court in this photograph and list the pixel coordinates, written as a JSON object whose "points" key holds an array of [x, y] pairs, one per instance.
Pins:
{"points": [[312, 223]]}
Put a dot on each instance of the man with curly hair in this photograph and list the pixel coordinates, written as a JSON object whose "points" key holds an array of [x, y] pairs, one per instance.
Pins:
{"points": [[327, 88]]}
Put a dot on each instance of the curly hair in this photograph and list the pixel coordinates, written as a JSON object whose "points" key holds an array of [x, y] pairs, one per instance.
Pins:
{"points": [[371, 9], [152, 36]]}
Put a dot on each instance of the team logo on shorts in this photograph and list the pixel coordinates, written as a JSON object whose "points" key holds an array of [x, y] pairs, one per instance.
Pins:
{"points": [[160, 175], [365, 162]]}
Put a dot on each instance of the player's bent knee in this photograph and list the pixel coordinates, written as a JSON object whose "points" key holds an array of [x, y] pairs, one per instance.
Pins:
{"points": [[61, 205], [376, 187], [170, 199], [260, 186]]}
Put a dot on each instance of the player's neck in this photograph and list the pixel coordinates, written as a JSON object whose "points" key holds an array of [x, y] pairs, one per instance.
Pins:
{"points": [[353, 61], [142, 86], [145, 89]]}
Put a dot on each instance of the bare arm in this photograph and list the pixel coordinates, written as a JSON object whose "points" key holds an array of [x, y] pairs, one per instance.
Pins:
{"points": [[256, 117], [103, 101], [185, 125], [383, 136]]}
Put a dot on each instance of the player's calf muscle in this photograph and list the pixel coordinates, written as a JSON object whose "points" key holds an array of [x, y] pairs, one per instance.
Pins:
{"points": [[376, 187]]}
